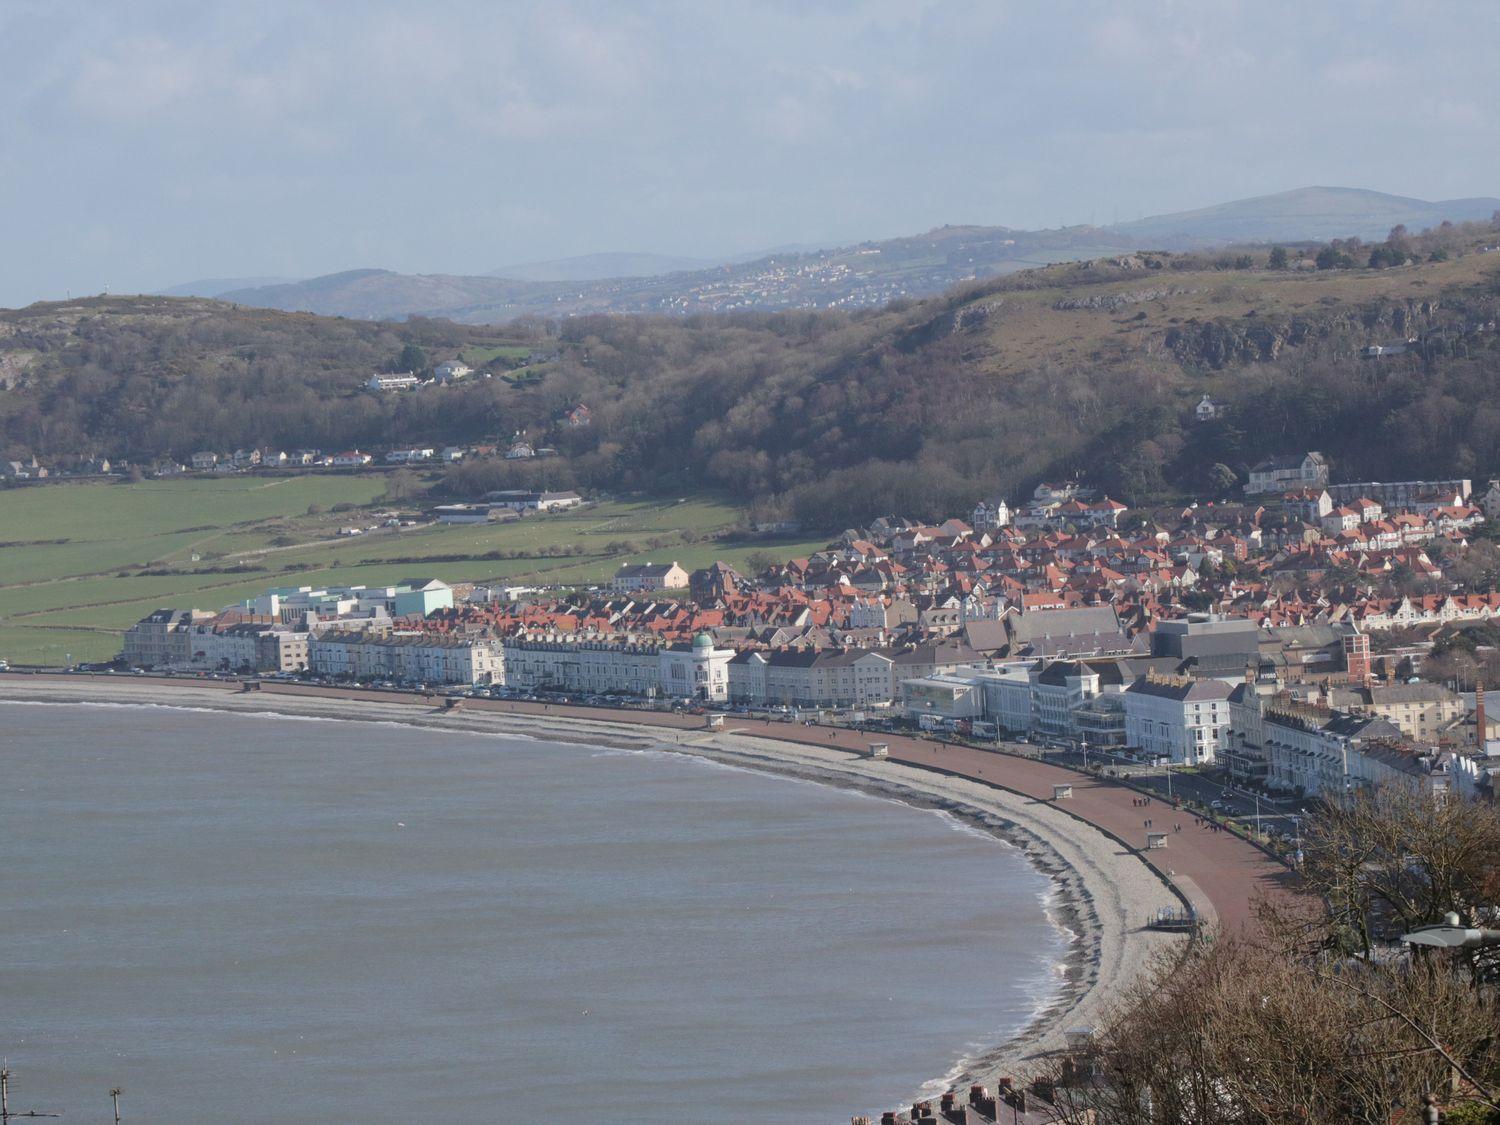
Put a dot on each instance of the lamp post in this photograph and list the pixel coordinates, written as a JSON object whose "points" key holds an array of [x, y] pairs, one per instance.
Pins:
{"points": [[1450, 933]]}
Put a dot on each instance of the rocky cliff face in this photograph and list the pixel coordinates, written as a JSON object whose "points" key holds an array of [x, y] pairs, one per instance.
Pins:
{"points": [[1217, 344]]}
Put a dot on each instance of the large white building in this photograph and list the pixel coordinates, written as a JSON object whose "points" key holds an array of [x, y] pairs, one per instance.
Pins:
{"points": [[1007, 695], [247, 646], [942, 697], [414, 597], [1061, 701], [413, 657], [1314, 750], [403, 381], [161, 639], [622, 664], [1178, 718], [210, 642], [854, 677], [1058, 690], [813, 678]]}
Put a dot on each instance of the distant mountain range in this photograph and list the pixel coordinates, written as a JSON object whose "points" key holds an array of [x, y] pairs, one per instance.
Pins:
{"points": [[596, 267], [213, 286], [870, 273], [1313, 214]]}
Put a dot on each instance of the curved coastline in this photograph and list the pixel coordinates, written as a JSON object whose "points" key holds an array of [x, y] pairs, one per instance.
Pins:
{"points": [[1104, 891]]}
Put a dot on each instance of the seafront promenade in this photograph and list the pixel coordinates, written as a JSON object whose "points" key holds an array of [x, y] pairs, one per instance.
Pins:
{"points": [[1217, 872]]}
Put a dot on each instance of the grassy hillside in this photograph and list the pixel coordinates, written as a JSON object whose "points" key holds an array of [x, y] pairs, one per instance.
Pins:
{"points": [[98, 557]]}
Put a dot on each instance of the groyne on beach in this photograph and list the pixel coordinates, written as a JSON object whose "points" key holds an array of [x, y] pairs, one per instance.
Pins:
{"points": [[1108, 887]]}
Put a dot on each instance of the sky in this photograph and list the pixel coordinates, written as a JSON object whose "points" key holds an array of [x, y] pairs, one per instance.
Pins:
{"points": [[145, 144]]}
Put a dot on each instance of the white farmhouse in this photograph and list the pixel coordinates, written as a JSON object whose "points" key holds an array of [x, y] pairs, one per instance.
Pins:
{"points": [[404, 381]]}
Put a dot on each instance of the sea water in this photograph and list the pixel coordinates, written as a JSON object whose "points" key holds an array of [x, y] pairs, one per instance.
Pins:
{"points": [[244, 918]]}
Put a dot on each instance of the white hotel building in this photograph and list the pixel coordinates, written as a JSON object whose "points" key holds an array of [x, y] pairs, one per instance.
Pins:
{"points": [[1178, 718], [415, 657], [638, 666]]}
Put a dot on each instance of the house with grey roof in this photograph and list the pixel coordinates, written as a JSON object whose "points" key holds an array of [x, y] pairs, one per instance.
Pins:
{"points": [[1288, 473], [1177, 718]]}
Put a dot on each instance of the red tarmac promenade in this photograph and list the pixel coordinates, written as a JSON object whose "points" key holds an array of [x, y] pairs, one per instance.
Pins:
{"points": [[1220, 873]]}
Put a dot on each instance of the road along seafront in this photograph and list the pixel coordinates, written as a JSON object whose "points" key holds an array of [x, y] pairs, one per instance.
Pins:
{"points": [[1108, 888]]}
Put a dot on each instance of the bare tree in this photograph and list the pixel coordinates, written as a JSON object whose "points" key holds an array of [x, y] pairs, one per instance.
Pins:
{"points": [[1237, 1033], [1403, 857], [1312, 1019]]}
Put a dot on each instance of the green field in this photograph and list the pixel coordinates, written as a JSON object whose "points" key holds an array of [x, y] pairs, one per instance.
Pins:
{"points": [[477, 355], [79, 563]]}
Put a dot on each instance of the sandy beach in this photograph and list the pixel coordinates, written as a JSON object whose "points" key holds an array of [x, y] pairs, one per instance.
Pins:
{"points": [[1105, 892]]}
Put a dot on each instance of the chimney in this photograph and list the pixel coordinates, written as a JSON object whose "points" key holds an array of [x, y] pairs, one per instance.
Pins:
{"points": [[1480, 726]]}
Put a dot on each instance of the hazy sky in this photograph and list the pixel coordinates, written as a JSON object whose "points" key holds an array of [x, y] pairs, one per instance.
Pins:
{"points": [[148, 143]]}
